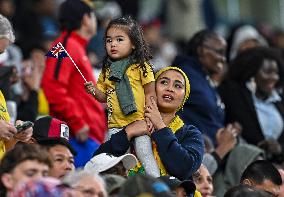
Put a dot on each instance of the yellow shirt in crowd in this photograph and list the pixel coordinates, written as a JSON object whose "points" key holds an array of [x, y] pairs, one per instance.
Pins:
{"points": [[116, 118], [4, 115]]}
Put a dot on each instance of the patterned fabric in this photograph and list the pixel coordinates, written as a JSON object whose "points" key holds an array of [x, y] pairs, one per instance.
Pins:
{"points": [[174, 125], [46, 187]]}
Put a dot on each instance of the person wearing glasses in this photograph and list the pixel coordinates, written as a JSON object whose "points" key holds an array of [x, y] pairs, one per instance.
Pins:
{"points": [[204, 59]]}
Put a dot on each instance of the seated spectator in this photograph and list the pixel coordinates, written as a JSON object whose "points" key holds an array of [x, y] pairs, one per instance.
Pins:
{"points": [[245, 37], [53, 134], [263, 175], [8, 133], [87, 182], [179, 188], [204, 59], [113, 184], [253, 80], [203, 181], [47, 187], [178, 147], [108, 164], [140, 185], [246, 191], [231, 167], [24, 162]]}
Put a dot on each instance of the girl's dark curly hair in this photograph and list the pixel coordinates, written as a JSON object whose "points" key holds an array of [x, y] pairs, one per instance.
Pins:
{"points": [[141, 53], [248, 63], [197, 40]]}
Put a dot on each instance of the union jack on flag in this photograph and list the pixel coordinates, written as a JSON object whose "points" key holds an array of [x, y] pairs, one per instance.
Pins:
{"points": [[57, 51]]}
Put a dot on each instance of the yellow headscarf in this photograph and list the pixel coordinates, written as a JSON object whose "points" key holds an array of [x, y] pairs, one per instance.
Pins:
{"points": [[187, 85]]}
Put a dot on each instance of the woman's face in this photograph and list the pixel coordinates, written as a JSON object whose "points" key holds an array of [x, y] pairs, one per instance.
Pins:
{"points": [[204, 182], [212, 54], [170, 89], [266, 78]]}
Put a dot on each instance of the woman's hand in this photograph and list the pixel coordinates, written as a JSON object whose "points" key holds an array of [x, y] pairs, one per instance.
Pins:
{"points": [[152, 112], [136, 128]]}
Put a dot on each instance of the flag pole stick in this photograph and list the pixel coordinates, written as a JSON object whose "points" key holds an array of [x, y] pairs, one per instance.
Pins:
{"points": [[93, 92], [73, 62]]}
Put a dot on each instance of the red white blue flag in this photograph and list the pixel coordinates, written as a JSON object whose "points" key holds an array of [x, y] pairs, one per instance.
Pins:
{"points": [[57, 51]]}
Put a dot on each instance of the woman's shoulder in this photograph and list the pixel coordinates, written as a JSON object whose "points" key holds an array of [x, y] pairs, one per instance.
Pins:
{"points": [[188, 129]]}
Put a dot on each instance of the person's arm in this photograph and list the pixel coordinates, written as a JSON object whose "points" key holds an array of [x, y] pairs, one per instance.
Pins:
{"points": [[149, 90], [117, 145], [181, 157], [150, 93], [121, 141], [91, 89]]}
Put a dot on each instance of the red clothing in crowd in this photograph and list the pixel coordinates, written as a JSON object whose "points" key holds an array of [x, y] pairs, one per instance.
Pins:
{"points": [[67, 98]]}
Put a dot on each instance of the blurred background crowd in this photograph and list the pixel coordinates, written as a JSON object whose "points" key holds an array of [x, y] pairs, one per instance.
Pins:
{"points": [[232, 52]]}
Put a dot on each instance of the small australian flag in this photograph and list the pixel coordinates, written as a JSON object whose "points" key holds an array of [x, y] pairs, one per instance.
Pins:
{"points": [[57, 52]]}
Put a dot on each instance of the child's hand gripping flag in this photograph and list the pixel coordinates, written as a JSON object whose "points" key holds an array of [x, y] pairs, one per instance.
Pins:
{"points": [[58, 51]]}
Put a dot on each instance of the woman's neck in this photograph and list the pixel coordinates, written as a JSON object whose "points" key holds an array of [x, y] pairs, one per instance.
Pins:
{"points": [[168, 117]]}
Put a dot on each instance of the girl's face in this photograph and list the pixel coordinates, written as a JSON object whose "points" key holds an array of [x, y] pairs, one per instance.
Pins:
{"points": [[118, 44], [170, 89], [203, 182], [266, 78]]}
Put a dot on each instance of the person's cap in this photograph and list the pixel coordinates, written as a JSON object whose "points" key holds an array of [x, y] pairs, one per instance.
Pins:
{"points": [[105, 161], [113, 182], [51, 131], [142, 184], [174, 183]]}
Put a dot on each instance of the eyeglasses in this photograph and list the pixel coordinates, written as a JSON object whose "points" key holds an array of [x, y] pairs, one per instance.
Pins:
{"points": [[220, 52]]}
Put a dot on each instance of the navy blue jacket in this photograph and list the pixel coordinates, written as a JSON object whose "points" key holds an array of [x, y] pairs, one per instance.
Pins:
{"points": [[181, 153], [203, 108]]}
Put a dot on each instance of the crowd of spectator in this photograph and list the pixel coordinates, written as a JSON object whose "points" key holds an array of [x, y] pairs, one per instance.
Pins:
{"points": [[210, 106]]}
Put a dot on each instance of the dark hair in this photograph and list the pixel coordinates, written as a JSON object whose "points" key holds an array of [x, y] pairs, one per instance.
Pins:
{"points": [[261, 170], [248, 63], [71, 13], [246, 191], [272, 150], [197, 40], [141, 53], [20, 153]]}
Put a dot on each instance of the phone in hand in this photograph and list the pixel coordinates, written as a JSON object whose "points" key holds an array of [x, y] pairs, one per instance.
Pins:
{"points": [[24, 126]]}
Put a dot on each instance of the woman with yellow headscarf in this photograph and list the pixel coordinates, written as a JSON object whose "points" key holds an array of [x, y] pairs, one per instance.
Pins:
{"points": [[178, 148]]}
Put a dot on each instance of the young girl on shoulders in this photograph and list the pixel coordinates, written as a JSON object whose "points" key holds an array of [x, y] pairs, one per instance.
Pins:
{"points": [[126, 84]]}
